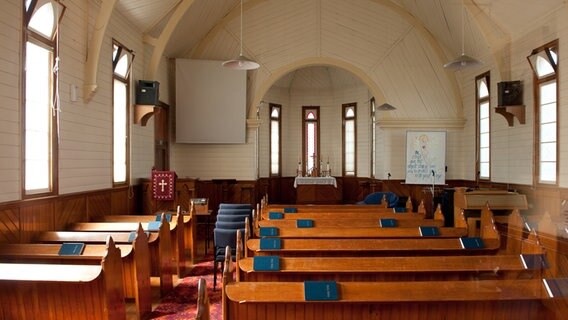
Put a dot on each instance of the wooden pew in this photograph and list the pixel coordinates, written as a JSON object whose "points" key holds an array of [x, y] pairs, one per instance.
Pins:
{"points": [[162, 261], [55, 291], [302, 208], [410, 268], [509, 299], [203, 308], [381, 247], [136, 269], [179, 233]]}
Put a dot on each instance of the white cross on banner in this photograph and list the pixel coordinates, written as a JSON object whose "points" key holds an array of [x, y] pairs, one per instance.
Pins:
{"points": [[163, 185]]}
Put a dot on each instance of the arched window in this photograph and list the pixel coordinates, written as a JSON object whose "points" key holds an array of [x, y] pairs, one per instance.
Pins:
{"points": [[311, 156], [121, 63], [483, 151], [275, 139], [349, 139], [544, 62], [40, 96]]}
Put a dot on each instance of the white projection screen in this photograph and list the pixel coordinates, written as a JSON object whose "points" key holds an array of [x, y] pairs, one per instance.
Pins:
{"points": [[210, 103]]}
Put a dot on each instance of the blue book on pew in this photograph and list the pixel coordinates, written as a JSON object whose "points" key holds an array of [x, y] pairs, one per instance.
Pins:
{"points": [[387, 223], [534, 261], [320, 291], [429, 231], [268, 232], [167, 215], [154, 225], [471, 243], [270, 244], [556, 288], [304, 223], [275, 215], [132, 235], [266, 263], [399, 209], [290, 210], [71, 249]]}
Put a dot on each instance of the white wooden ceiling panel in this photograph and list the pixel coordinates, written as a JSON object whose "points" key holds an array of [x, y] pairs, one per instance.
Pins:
{"points": [[360, 29], [145, 13]]}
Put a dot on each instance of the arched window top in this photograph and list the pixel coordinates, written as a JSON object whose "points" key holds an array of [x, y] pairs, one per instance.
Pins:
{"points": [[122, 60], [483, 89], [349, 112], [27, 4], [543, 67], [275, 113], [310, 115], [43, 20]]}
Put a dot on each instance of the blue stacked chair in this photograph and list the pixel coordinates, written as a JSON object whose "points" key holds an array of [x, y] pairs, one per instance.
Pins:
{"points": [[230, 218]]}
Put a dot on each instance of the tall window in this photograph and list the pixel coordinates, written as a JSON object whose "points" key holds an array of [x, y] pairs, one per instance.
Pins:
{"points": [[373, 138], [121, 63], [311, 156], [275, 138], [41, 104], [544, 61], [483, 126], [349, 139]]}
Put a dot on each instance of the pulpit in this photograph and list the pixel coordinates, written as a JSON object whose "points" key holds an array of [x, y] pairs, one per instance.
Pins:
{"points": [[317, 190]]}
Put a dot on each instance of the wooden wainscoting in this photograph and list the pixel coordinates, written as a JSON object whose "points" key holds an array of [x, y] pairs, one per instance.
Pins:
{"points": [[21, 221]]}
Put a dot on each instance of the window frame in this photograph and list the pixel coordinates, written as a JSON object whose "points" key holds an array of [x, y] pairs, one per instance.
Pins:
{"points": [[344, 120], [537, 83], [478, 102], [273, 106], [31, 36], [373, 147], [305, 156], [127, 82]]}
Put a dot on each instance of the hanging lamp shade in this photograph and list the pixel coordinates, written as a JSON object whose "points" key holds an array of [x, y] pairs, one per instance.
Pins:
{"points": [[463, 61], [385, 107], [241, 62]]}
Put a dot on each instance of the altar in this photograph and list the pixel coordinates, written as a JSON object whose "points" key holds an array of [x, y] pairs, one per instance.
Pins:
{"points": [[317, 190]]}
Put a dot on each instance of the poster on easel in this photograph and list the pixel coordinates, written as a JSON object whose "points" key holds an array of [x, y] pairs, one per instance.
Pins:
{"points": [[426, 157]]}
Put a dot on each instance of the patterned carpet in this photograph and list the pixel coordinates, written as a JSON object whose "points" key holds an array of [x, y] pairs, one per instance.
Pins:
{"points": [[181, 303]]}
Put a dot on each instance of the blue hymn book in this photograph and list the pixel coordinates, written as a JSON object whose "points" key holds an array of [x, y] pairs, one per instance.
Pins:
{"points": [[268, 232], [167, 215], [387, 223], [471, 243], [270, 244], [320, 291], [429, 231], [290, 210], [304, 223], [266, 263], [275, 215], [71, 249]]}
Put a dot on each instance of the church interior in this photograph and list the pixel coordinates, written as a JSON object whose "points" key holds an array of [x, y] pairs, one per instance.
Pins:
{"points": [[271, 159]]}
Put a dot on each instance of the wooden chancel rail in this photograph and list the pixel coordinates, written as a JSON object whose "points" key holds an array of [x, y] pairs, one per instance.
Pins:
{"points": [[56, 291]]}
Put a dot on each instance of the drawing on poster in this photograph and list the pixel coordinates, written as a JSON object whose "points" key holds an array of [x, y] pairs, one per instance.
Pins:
{"points": [[425, 157]]}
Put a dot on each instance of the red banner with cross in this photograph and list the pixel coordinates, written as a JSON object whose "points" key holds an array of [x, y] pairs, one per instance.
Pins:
{"points": [[163, 185]]}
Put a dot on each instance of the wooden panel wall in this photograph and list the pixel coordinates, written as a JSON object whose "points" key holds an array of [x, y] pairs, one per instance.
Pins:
{"points": [[21, 221]]}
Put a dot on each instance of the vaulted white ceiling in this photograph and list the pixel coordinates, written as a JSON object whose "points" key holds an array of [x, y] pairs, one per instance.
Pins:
{"points": [[396, 47]]}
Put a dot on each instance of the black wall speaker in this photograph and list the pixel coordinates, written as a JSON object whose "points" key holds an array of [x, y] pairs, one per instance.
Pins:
{"points": [[147, 92], [510, 93]]}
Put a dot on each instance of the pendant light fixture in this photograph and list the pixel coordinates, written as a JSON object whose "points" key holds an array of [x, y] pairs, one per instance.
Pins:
{"points": [[241, 62], [463, 61]]}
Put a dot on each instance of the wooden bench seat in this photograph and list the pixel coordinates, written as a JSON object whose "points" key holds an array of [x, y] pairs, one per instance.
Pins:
{"points": [[351, 215], [182, 230], [355, 223], [162, 261], [487, 299], [56, 291], [349, 232], [136, 269]]}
